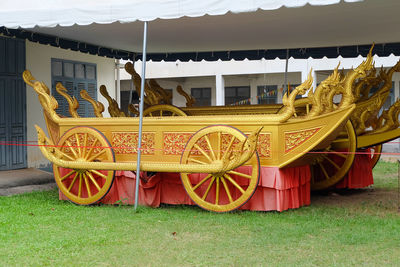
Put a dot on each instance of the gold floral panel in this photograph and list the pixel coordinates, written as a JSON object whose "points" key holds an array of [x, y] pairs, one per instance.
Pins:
{"points": [[294, 139], [127, 143], [175, 143]]}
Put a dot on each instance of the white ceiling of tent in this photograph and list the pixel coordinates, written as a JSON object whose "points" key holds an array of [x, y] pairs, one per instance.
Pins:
{"points": [[316, 24]]}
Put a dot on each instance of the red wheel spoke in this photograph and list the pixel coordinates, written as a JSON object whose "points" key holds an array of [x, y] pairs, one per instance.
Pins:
{"points": [[67, 175], [72, 183], [230, 179], [93, 180], [240, 174], [202, 181], [227, 189], [87, 185], [80, 185], [99, 174], [208, 188], [331, 162]]}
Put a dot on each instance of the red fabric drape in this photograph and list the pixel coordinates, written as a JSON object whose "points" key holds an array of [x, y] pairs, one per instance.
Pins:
{"points": [[278, 189], [360, 175]]}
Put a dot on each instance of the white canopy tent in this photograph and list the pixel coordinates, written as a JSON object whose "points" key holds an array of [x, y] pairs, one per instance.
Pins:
{"points": [[207, 25]]}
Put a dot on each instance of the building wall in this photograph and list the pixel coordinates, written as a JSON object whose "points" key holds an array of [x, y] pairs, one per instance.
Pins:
{"points": [[38, 61], [254, 73], [252, 80]]}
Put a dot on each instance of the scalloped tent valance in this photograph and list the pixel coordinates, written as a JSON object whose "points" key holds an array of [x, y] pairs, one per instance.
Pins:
{"points": [[209, 29]]}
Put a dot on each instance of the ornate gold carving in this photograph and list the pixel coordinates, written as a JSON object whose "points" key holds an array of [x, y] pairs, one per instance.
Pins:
{"points": [[190, 100], [113, 107], [133, 110], [166, 95], [288, 100], [127, 142], [98, 107], [152, 97], [48, 102], [73, 104], [367, 110], [296, 138], [319, 99], [389, 119], [264, 145]]}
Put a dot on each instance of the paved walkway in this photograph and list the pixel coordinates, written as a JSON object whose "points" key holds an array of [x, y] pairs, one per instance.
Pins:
{"points": [[25, 180]]}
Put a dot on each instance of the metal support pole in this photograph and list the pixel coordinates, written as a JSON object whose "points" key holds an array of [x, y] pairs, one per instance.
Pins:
{"points": [[141, 114]]}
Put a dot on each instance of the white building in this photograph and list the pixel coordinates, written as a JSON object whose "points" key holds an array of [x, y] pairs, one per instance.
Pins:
{"points": [[226, 82]]}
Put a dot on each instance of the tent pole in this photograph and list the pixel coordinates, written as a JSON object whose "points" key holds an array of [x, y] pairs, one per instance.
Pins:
{"points": [[141, 113]]}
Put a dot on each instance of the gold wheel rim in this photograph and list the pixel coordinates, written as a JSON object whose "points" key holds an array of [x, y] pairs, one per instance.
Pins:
{"points": [[84, 187], [162, 111], [329, 171], [221, 192]]}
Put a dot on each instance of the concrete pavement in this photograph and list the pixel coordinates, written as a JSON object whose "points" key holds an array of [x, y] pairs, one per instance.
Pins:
{"points": [[25, 180]]}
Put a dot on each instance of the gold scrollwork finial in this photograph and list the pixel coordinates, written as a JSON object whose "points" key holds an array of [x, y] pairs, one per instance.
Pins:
{"points": [[73, 104], [288, 99], [48, 102], [113, 107], [98, 107], [190, 100]]}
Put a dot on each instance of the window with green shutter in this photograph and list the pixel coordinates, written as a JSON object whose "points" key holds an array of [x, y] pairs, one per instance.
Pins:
{"points": [[74, 76]]}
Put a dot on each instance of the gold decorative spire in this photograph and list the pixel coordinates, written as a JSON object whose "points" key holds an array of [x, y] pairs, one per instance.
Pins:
{"points": [[190, 100], [73, 104], [113, 107], [97, 106]]}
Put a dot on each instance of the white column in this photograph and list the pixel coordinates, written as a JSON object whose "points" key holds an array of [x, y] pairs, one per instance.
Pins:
{"points": [[253, 91], [279, 97], [396, 79], [219, 90], [118, 87]]}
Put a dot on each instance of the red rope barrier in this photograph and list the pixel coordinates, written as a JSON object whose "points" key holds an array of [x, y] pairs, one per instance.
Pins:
{"points": [[154, 149]]}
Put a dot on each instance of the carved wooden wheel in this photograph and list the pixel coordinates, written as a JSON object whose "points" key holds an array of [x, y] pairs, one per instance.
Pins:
{"points": [[375, 154], [220, 192], [84, 144], [162, 111], [332, 166]]}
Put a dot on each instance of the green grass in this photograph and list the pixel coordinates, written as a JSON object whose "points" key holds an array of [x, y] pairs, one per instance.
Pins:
{"points": [[37, 229], [386, 175]]}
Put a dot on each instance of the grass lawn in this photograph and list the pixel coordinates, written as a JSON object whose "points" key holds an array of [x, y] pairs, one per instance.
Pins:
{"points": [[354, 227]]}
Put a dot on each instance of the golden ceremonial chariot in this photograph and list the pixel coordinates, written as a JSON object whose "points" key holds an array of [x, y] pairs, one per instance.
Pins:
{"points": [[218, 150]]}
